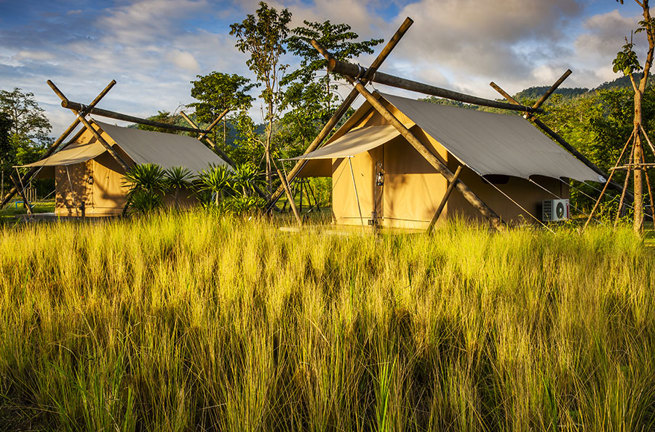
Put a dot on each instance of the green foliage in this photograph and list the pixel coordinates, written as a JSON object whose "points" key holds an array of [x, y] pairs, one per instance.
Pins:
{"points": [[166, 118], [7, 150], [626, 60], [195, 321], [147, 185], [536, 92], [217, 92], [215, 180], [263, 37]]}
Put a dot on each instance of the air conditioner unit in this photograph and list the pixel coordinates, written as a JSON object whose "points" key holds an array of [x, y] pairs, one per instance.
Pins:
{"points": [[555, 210]]}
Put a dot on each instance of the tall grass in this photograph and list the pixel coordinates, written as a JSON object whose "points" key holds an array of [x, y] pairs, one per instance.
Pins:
{"points": [[196, 322]]}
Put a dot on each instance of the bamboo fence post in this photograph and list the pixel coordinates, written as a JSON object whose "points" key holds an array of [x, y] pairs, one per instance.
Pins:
{"points": [[449, 190], [341, 111]]}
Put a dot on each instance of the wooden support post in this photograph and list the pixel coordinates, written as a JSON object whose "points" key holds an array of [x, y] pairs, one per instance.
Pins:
{"points": [[55, 145], [468, 194], [21, 192], [625, 188], [80, 113], [449, 190], [552, 89], [343, 109], [285, 186], [354, 71], [124, 117]]}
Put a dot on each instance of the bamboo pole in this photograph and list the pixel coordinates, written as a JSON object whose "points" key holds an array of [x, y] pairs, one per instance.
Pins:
{"points": [[81, 113], [124, 117], [449, 190], [285, 186], [354, 71], [552, 89], [343, 109], [55, 145], [625, 188], [213, 124]]}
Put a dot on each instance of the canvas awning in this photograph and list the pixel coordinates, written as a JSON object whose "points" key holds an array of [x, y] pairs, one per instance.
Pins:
{"points": [[72, 154], [354, 142]]}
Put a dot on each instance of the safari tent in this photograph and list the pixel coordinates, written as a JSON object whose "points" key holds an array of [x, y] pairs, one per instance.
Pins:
{"points": [[89, 180], [379, 178]]}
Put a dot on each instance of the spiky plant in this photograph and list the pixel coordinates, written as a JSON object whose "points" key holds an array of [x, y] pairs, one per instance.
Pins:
{"points": [[215, 180], [244, 179], [147, 185], [177, 179]]}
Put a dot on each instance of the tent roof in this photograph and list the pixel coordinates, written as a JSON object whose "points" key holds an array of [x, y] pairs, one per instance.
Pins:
{"points": [[354, 142], [490, 143], [73, 153], [164, 149]]}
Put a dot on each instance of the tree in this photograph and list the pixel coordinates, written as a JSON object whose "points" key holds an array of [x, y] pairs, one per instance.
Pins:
{"points": [[7, 153], [217, 92], [166, 118], [338, 39], [25, 129], [627, 62], [263, 36]]}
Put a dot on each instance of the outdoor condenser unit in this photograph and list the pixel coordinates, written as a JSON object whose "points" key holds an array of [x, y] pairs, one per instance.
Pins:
{"points": [[554, 210]]}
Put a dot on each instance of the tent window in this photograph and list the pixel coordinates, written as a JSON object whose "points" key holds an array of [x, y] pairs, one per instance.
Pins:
{"points": [[497, 178]]}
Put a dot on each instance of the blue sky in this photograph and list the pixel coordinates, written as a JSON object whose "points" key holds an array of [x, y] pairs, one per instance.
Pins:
{"points": [[153, 48]]}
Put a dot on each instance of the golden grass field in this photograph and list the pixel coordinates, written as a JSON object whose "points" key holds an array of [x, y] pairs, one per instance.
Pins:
{"points": [[193, 321]]}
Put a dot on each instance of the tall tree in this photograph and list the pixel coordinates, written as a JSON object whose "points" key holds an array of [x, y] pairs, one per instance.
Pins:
{"points": [[217, 92], [310, 96], [7, 152], [27, 129], [627, 62], [263, 36]]}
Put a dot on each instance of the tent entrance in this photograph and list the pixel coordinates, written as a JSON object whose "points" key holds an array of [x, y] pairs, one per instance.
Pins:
{"points": [[377, 156]]}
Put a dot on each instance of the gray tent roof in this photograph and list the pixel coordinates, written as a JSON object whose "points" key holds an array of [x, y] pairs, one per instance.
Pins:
{"points": [[490, 143], [163, 149]]}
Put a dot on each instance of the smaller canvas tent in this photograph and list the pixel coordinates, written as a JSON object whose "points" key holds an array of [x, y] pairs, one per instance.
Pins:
{"points": [[507, 163], [89, 180]]}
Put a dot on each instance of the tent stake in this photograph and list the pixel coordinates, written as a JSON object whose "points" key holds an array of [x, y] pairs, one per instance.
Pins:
{"points": [[352, 174], [449, 190], [343, 109]]}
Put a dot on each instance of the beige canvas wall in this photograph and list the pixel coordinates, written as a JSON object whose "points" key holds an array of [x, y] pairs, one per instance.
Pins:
{"points": [[71, 189], [413, 189]]}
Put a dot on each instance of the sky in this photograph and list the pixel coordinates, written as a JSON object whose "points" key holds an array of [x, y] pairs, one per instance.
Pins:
{"points": [[154, 48]]}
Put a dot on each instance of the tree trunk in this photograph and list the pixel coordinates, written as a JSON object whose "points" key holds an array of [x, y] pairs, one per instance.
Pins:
{"points": [[638, 224], [267, 149]]}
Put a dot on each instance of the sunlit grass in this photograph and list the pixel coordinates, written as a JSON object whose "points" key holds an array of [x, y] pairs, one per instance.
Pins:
{"points": [[197, 322]]}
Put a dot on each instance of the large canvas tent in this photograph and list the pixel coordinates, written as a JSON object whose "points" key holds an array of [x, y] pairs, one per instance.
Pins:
{"points": [[89, 180], [375, 172]]}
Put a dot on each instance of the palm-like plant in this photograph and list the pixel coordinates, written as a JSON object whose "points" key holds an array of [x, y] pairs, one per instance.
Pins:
{"points": [[147, 184], [215, 180], [244, 178], [177, 179]]}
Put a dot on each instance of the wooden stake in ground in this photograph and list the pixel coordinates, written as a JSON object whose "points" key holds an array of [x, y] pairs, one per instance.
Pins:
{"points": [[339, 113]]}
